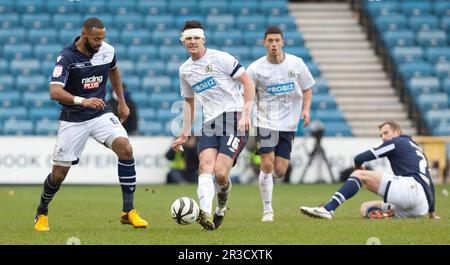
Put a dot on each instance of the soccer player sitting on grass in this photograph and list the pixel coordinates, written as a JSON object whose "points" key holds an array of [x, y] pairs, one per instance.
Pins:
{"points": [[407, 194]]}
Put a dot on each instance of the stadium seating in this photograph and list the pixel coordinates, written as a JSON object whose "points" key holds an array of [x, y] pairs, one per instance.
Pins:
{"points": [[145, 35], [416, 36]]}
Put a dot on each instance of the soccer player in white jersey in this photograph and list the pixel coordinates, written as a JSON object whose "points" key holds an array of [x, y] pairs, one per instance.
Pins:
{"points": [[78, 83], [214, 78], [283, 84]]}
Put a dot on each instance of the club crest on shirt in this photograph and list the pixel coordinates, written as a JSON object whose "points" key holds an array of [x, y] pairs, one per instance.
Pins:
{"points": [[209, 68], [291, 73]]}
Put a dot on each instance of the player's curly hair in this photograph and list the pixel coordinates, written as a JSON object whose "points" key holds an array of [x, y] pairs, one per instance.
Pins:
{"points": [[192, 24]]}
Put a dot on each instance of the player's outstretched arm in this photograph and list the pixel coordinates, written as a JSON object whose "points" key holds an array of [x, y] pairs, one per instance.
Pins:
{"points": [[58, 93]]}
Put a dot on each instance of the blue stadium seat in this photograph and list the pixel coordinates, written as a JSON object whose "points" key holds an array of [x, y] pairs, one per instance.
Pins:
{"points": [[4, 66], [182, 7], [147, 114], [416, 69], [326, 116], [227, 38], [442, 130], [207, 7], [12, 36], [30, 6], [60, 7], [285, 23], [10, 99], [181, 19], [424, 23], [423, 85], [159, 22], [152, 8], [6, 6], [92, 7], [144, 53], [323, 101], [120, 7], [13, 113], [6, 83], [436, 117], [150, 68], [432, 38], [442, 70], [46, 127], [383, 8], [66, 37], [42, 36], [172, 68], [133, 83], [251, 23], [165, 115], [445, 23], [257, 52], [152, 128], [37, 100], [432, 101], [47, 113], [47, 67], [120, 50], [392, 22], [67, 21], [253, 38], [17, 51], [239, 52], [415, 8], [32, 83], [273, 8], [135, 37], [36, 21], [337, 129], [25, 67], [173, 53], [112, 36], [9, 20], [407, 54], [220, 22], [313, 68], [129, 21], [126, 67], [163, 100], [293, 38], [18, 127], [399, 38], [301, 52], [441, 8], [141, 99], [165, 38], [438, 54], [244, 8], [320, 87], [446, 85]]}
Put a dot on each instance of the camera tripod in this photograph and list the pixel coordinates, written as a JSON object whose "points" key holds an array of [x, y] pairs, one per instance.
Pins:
{"points": [[317, 153]]}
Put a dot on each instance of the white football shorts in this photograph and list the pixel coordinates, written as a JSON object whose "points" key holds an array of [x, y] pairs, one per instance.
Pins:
{"points": [[72, 137], [404, 195]]}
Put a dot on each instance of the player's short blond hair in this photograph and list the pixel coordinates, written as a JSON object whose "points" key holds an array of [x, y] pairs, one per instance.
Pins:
{"points": [[394, 126]]}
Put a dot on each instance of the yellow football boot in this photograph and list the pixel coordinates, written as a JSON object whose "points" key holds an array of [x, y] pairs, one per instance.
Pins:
{"points": [[132, 218], [41, 223]]}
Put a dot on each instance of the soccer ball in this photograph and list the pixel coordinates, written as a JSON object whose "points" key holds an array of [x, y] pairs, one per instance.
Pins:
{"points": [[184, 210]]}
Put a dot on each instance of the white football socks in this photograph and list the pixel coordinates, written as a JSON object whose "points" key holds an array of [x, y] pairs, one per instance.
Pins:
{"points": [[266, 188], [205, 192]]}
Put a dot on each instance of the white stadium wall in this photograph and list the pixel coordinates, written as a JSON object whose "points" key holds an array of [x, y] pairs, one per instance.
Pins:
{"points": [[27, 160]]}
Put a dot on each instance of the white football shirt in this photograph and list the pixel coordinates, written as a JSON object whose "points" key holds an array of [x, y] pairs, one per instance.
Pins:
{"points": [[211, 79], [279, 92]]}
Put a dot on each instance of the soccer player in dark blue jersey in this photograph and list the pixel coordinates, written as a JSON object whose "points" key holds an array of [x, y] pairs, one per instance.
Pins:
{"points": [[409, 193], [78, 83]]}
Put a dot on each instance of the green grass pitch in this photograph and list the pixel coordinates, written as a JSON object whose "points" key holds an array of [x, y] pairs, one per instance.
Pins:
{"points": [[90, 213]]}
